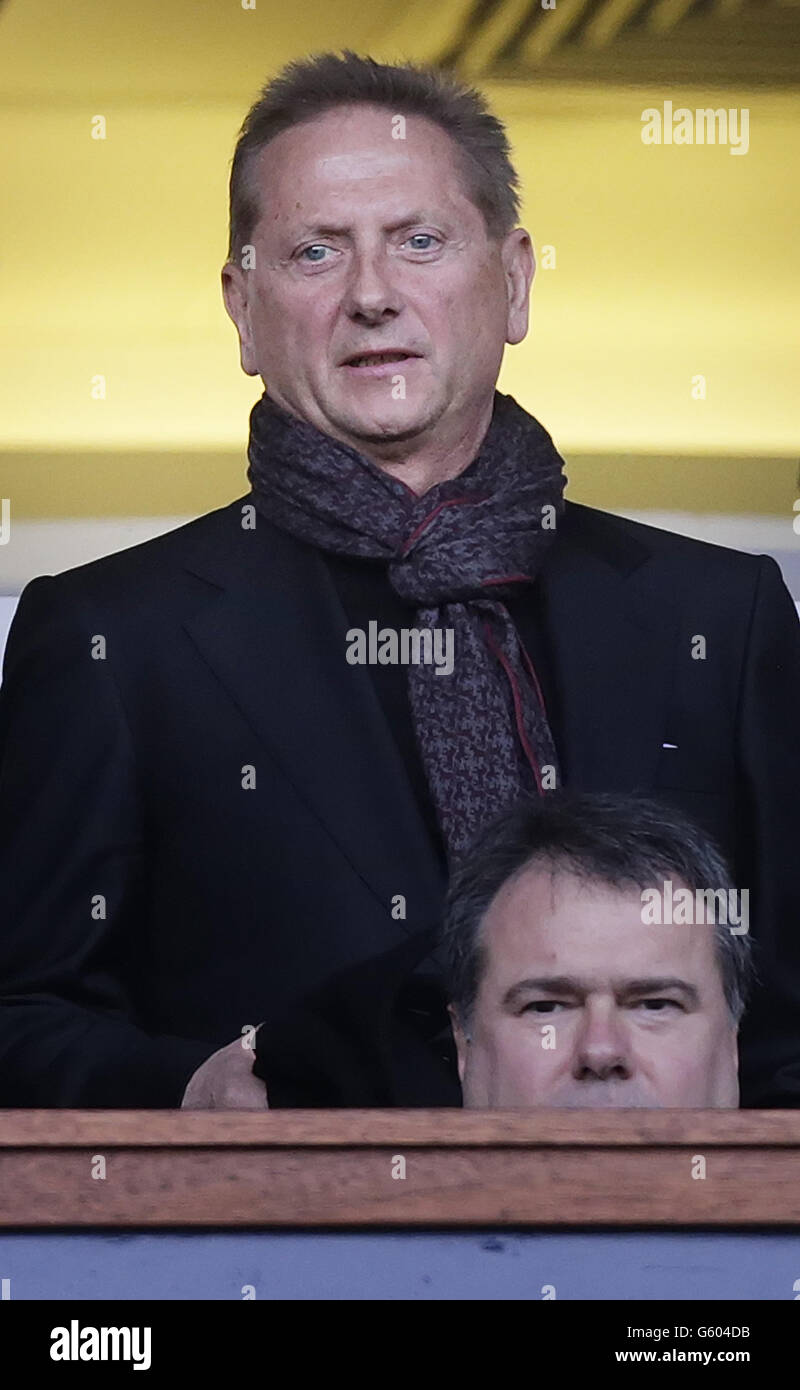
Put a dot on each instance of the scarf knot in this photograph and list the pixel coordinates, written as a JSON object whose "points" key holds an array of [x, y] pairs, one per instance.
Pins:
{"points": [[454, 554]]}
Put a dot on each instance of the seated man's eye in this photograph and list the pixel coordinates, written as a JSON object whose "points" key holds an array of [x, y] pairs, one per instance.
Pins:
{"points": [[658, 1005], [543, 1006]]}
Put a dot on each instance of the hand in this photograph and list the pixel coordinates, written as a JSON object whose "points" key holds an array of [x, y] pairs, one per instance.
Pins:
{"points": [[225, 1081]]}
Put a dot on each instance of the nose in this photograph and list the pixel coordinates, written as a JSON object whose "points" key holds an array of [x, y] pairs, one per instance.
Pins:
{"points": [[371, 297], [602, 1051]]}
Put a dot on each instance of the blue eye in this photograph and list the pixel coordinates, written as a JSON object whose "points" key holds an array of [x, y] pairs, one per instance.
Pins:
{"points": [[316, 260], [424, 236]]}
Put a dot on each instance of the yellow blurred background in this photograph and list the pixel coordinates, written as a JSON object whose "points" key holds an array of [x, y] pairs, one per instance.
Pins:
{"points": [[671, 262]]}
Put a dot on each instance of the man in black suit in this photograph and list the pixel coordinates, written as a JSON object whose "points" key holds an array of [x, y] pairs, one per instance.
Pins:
{"points": [[208, 807]]}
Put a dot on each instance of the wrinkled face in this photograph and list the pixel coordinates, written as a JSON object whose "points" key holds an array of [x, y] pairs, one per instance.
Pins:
{"points": [[369, 243], [581, 1005]]}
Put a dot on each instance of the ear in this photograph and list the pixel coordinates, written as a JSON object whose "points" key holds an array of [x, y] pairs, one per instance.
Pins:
{"points": [[462, 1041], [235, 292], [735, 1048], [519, 264]]}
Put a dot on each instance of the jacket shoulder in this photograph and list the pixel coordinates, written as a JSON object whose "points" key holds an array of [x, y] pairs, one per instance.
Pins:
{"points": [[625, 542], [154, 578], [171, 550]]}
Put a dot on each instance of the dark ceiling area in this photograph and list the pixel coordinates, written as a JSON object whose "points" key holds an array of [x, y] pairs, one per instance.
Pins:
{"points": [[718, 42]]}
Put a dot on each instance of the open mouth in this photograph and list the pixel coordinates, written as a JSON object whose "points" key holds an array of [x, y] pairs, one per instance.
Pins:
{"points": [[380, 359]]}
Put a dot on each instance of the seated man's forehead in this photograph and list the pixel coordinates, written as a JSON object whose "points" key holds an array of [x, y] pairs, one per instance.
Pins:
{"points": [[541, 896], [555, 923]]}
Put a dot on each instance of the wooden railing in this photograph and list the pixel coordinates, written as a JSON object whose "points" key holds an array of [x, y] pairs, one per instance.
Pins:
{"points": [[408, 1168]]}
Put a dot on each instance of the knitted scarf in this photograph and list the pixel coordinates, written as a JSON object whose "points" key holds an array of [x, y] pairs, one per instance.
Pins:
{"points": [[454, 553]]}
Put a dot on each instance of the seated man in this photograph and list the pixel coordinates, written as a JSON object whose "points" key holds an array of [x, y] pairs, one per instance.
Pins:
{"points": [[595, 952]]}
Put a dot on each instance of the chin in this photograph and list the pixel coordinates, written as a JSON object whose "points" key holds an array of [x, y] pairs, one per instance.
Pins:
{"points": [[381, 419], [372, 431]]}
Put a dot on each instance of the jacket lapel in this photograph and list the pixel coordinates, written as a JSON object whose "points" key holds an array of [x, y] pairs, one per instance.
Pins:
{"points": [[612, 646], [274, 634]]}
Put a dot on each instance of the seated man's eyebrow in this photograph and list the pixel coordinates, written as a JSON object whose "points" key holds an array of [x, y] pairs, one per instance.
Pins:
{"points": [[545, 984], [660, 985], [571, 984]]}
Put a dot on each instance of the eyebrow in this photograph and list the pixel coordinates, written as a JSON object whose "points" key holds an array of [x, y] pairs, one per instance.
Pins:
{"points": [[408, 220], [570, 984]]}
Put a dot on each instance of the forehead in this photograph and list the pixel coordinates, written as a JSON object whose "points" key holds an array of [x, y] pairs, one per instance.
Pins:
{"points": [[352, 152], [551, 922]]}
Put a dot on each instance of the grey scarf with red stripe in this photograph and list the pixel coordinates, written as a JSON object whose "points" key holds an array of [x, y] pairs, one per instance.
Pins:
{"points": [[455, 553]]}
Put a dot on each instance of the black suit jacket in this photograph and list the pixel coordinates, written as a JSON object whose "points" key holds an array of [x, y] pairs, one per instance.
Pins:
{"points": [[201, 827]]}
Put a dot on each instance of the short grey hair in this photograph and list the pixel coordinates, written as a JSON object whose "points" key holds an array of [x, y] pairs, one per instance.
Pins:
{"points": [[309, 87], [618, 840]]}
